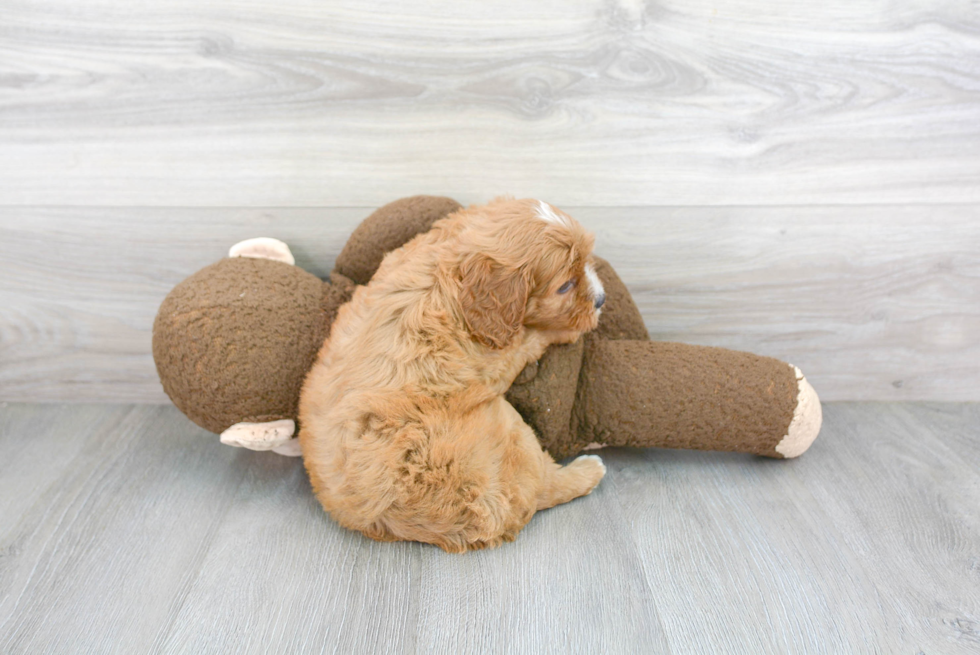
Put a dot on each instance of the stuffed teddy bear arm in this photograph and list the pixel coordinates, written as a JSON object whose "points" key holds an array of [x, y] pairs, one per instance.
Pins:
{"points": [[615, 387], [387, 229]]}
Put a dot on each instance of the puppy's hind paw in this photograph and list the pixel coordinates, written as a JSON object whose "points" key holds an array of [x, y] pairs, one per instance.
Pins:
{"points": [[576, 479], [591, 468]]}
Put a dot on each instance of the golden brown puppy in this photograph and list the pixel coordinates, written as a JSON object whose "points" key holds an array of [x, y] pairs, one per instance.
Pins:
{"points": [[403, 425]]}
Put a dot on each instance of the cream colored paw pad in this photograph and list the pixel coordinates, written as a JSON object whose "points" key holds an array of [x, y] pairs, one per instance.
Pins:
{"points": [[263, 248], [259, 436]]}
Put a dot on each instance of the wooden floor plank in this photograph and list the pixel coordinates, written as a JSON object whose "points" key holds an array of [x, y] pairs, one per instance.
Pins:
{"points": [[872, 303], [29, 466], [861, 545], [595, 102], [280, 577], [147, 535], [104, 556], [570, 583]]}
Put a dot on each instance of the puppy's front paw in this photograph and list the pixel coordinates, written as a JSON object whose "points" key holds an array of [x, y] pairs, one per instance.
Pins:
{"points": [[591, 468], [563, 336]]}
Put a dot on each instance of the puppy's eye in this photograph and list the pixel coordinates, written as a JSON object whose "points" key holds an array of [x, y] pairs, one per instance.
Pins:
{"points": [[568, 286]]}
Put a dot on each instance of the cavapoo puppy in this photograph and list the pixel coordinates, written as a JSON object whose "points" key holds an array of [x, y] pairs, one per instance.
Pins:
{"points": [[405, 431]]}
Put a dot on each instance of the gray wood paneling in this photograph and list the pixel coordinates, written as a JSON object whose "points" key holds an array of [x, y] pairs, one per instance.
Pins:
{"points": [[595, 102], [871, 302], [127, 529]]}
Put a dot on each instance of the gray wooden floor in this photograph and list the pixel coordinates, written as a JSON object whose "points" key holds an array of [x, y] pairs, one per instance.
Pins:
{"points": [[123, 528]]}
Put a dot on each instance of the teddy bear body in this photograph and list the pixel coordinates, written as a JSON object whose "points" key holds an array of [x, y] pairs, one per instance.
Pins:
{"points": [[234, 341]]}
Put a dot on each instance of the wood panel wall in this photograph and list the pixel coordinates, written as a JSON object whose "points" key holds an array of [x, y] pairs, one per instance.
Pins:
{"points": [[795, 179]]}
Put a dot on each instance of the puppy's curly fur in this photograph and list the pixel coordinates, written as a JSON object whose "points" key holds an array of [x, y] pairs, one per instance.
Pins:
{"points": [[404, 428]]}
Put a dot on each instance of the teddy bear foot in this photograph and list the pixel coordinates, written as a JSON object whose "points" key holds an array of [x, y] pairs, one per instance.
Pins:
{"points": [[807, 417], [271, 435], [289, 449], [263, 248]]}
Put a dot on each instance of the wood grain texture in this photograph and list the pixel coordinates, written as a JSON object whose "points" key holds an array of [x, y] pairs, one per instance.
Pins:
{"points": [[873, 303], [879, 519], [593, 102], [127, 529]]}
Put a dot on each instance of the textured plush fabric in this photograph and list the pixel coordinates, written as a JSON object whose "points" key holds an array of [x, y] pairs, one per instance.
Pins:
{"points": [[233, 341], [620, 318], [544, 395], [386, 229], [672, 395], [545, 392], [617, 388]]}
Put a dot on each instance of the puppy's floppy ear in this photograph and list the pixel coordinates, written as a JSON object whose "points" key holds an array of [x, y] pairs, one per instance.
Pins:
{"points": [[493, 299]]}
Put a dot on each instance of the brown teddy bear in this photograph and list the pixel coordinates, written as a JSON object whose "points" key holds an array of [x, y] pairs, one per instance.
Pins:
{"points": [[233, 342]]}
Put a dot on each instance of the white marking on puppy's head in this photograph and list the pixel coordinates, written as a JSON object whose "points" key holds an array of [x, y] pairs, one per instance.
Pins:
{"points": [[595, 286], [548, 214]]}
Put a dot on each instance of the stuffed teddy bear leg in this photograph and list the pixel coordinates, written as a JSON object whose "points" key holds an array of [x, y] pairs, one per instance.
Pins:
{"points": [[387, 229], [672, 395], [276, 436]]}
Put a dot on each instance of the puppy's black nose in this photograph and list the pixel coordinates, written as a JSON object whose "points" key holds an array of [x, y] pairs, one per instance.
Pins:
{"points": [[600, 301]]}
